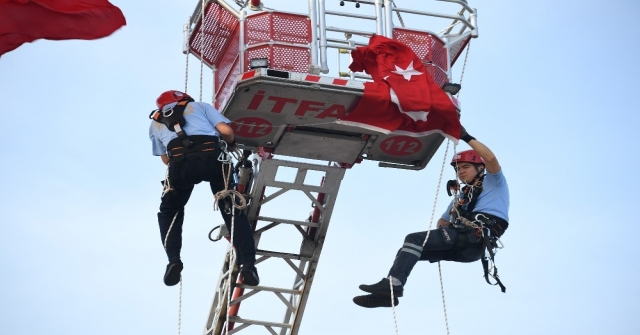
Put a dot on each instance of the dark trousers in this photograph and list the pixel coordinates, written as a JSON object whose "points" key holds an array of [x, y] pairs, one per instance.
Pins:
{"points": [[442, 245], [184, 175]]}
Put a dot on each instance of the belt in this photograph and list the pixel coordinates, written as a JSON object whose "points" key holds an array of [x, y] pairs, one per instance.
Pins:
{"points": [[178, 153]]}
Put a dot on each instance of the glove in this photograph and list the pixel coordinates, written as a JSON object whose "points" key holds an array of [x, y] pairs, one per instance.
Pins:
{"points": [[232, 146], [464, 135]]}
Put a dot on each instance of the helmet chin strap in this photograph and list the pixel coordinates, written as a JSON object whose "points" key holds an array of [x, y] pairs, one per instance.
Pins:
{"points": [[475, 179]]}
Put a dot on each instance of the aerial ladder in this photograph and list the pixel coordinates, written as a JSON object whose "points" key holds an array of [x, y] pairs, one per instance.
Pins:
{"points": [[270, 78]]}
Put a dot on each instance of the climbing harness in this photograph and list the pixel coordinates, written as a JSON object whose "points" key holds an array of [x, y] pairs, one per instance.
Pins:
{"points": [[490, 243], [465, 202], [489, 230], [173, 118]]}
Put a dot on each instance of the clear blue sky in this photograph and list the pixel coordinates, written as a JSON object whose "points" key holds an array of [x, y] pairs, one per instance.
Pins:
{"points": [[551, 87]]}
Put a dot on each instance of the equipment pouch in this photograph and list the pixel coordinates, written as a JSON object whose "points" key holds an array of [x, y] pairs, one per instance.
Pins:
{"points": [[449, 235]]}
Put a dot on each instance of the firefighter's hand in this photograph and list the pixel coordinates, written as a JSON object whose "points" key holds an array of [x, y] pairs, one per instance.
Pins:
{"points": [[232, 146], [464, 135], [443, 223]]}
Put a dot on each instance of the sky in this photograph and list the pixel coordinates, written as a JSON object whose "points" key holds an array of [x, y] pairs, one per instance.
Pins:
{"points": [[549, 86]]}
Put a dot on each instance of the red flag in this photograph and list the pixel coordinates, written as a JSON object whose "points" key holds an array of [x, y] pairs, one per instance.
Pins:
{"points": [[403, 98], [23, 21]]}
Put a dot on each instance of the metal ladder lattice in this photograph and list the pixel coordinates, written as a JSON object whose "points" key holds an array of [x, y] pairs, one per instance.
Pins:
{"points": [[312, 233]]}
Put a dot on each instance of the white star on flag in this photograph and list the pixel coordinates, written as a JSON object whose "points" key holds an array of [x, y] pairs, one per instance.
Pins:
{"points": [[408, 72]]}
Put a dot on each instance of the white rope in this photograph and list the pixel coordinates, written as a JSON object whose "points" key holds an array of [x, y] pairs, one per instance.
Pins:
{"points": [[444, 160], [226, 174], [180, 308], [242, 5], [202, 35], [444, 304], [213, 86], [433, 211], [464, 66], [393, 306], [232, 264], [166, 186], [398, 14], [186, 71], [166, 237], [435, 200], [227, 192]]}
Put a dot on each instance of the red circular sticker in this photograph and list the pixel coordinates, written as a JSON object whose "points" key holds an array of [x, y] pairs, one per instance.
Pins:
{"points": [[251, 127], [400, 146]]}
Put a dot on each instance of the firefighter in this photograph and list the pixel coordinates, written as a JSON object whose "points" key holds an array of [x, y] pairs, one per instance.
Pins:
{"points": [[483, 201], [188, 136]]}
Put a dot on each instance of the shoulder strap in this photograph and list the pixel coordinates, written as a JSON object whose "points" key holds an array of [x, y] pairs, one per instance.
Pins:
{"points": [[173, 118]]}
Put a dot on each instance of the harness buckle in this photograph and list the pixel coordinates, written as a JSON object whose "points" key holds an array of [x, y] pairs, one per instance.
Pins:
{"points": [[167, 112], [477, 218]]}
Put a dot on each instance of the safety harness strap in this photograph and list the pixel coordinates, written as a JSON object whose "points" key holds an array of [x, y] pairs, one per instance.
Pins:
{"points": [[173, 118], [200, 144], [486, 241]]}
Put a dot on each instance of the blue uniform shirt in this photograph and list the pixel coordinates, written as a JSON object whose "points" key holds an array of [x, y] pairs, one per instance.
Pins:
{"points": [[200, 117], [494, 198]]}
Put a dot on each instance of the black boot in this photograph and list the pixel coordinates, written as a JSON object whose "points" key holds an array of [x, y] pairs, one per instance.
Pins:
{"points": [[382, 288], [249, 274], [172, 274], [373, 301]]}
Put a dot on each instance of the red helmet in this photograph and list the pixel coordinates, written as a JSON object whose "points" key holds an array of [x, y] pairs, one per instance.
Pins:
{"points": [[171, 96], [468, 156]]}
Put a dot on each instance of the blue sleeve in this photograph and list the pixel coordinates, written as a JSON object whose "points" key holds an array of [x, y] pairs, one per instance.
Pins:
{"points": [[214, 116], [157, 148], [495, 179]]}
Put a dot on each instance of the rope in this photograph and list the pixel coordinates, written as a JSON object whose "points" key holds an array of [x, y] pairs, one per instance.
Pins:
{"points": [[202, 34], [393, 306], [464, 66], [180, 308], [444, 160], [186, 73], [227, 192], [232, 264], [225, 158], [166, 186], [398, 14], [242, 5], [166, 237], [444, 304], [435, 200]]}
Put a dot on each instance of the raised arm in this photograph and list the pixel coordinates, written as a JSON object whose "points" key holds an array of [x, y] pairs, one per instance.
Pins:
{"points": [[490, 159]]}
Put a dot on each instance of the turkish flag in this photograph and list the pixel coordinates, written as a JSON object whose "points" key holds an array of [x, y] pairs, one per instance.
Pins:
{"points": [[403, 98], [23, 21]]}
